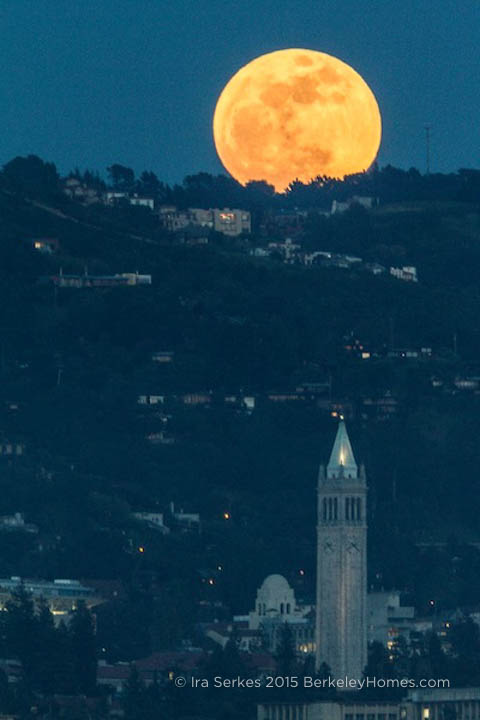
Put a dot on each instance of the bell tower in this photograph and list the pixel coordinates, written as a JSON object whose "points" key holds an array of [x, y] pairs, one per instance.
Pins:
{"points": [[341, 622]]}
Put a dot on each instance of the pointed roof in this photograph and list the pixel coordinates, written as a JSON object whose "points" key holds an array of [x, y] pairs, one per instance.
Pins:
{"points": [[342, 460]]}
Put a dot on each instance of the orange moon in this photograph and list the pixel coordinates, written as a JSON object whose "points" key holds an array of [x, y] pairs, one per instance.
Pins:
{"points": [[296, 114]]}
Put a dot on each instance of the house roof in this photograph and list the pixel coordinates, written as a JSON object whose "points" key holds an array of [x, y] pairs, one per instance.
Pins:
{"points": [[186, 660]]}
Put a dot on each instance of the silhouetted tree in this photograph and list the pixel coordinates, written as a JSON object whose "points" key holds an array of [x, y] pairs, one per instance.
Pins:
{"points": [[30, 176], [285, 655], [134, 697], [21, 631], [122, 178], [82, 634], [47, 651], [148, 183], [465, 639]]}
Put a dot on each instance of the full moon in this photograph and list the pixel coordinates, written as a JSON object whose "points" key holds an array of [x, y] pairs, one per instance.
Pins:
{"points": [[296, 114]]}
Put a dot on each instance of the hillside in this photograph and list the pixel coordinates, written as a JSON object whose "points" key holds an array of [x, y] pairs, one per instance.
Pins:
{"points": [[74, 363]]}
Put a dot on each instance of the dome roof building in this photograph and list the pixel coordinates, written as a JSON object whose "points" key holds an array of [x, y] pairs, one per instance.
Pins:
{"points": [[276, 605]]}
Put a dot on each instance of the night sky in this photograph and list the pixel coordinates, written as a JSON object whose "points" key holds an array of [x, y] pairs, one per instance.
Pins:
{"points": [[90, 82]]}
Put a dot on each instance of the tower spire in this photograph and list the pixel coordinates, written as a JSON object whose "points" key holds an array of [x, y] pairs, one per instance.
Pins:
{"points": [[342, 460]]}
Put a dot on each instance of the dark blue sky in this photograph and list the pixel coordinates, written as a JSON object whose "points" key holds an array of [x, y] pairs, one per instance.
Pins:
{"points": [[91, 82]]}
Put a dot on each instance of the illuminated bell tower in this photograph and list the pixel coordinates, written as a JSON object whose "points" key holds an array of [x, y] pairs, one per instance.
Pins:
{"points": [[341, 622]]}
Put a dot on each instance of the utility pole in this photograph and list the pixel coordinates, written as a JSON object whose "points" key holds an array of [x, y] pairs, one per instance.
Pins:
{"points": [[427, 147]]}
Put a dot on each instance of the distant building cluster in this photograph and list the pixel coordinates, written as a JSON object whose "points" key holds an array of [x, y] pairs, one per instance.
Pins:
{"points": [[291, 253], [276, 605], [113, 198], [229, 222], [45, 245], [364, 201], [61, 596], [468, 382], [407, 273], [16, 523], [192, 226], [387, 621], [9, 448], [157, 408], [78, 190], [279, 611], [87, 280], [160, 409], [174, 520]]}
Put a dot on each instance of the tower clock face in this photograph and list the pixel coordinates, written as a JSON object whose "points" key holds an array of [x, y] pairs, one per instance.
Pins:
{"points": [[352, 547]]}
